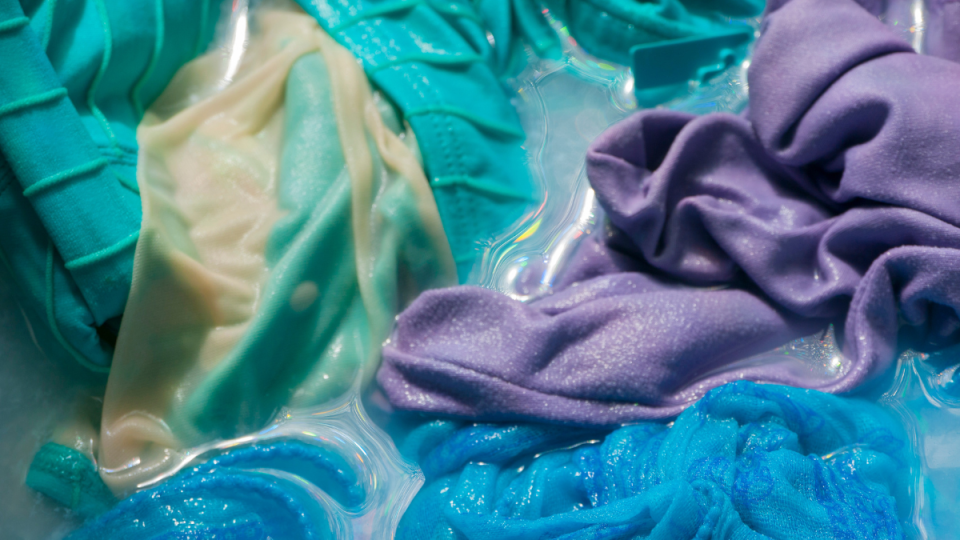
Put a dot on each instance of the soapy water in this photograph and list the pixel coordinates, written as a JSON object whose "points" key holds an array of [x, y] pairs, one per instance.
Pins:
{"points": [[563, 105]]}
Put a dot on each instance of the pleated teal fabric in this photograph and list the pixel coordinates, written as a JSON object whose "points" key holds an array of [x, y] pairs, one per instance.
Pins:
{"points": [[75, 78], [434, 62], [747, 461]]}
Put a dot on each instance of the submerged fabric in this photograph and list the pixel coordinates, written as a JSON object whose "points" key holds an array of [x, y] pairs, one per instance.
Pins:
{"points": [[746, 461], [434, 62], [256, 492], [610, 28], [74, 81], [285, 224], [834, 199], [70, 478]]}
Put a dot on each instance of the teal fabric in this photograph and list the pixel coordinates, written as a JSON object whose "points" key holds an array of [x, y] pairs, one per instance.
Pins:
{"points": [[609, 28], [75, 78], [747, 461], [70, 478], [434, 62]]}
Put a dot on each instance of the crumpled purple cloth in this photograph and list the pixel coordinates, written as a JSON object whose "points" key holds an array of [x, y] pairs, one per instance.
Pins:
{"points": [[835, 198]]}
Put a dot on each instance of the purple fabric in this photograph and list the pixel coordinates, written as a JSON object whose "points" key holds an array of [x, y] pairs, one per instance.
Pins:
{"points": [[837, 198]]}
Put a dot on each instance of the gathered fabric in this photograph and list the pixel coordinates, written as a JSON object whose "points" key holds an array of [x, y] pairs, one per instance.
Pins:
{"points": [[434, 61], [286, 221], [833, 199], [75, 80], [746, 461]]}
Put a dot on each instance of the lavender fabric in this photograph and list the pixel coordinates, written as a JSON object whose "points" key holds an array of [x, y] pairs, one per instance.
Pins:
{"points": [[836, 197]]}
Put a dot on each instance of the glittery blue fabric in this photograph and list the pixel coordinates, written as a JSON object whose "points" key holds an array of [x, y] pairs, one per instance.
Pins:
{"points": [[434, 61], [239, 495], [746, 461]]}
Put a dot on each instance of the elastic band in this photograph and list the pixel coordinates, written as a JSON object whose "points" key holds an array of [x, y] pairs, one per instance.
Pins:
{"points": [[478, 121], [13, 24], [479, 185], [54, 326], [104, 63], [428, 58], [63, 176], [30, 101], [48, 28], [104, 253], [154, 58]]}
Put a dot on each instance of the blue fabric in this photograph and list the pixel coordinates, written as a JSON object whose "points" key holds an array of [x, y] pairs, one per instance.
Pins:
{"points": [[434, 62], [746, 461], [75, 78], [239, 495]]}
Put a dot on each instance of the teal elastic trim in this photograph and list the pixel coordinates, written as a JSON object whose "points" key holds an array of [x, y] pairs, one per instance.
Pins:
{"points": [[104, 63], [104, 253], [13, 24], [157, 49], [477, 121], [204, 10], [428, 58], [48, 28], [63, 176], [384, 9], [30, 101], [479, 185], [52, 320]]}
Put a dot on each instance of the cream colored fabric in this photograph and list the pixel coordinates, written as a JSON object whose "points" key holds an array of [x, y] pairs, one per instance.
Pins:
{"points": [[208, 175]]}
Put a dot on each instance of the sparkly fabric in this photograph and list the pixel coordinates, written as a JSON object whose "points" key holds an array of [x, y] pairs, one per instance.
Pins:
{"points": [[832, 199], [254, 493], [746, 462]]}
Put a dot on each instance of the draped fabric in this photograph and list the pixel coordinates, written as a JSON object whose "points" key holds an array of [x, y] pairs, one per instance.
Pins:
{"points": [[285, 224], [833, 199], [746, 461]]}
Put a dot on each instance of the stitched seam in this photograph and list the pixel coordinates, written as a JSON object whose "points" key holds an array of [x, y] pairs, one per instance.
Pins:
{"points": [[428, 58], [64, 176], [32, 101], [104, 63], [480, 186], [15, 23], [154, 58], [48, 27], [104, 253]]}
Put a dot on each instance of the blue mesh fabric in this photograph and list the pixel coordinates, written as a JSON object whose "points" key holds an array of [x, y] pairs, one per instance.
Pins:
{"points": [[239, 495], [746, 461]]}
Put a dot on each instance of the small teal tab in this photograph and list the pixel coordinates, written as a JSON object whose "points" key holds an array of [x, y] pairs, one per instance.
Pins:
{"points": [[658, 68]]}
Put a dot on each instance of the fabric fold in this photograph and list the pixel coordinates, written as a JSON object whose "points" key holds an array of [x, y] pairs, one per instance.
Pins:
{"points": [[832, 200]]}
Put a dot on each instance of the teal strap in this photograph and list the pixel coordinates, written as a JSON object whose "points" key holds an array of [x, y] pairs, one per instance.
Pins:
{"points": [[104, 63], [51, 309], [32, 101], [63, 176], [478, 121], [103, 253], [13, 24]]}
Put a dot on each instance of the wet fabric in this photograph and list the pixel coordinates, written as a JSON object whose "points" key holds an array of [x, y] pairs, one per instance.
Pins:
{"points": [[285, 225], [434, 62], [746, 461], [262, 491], [75, 78], [833, 199], [609, 28], [70, 478]]}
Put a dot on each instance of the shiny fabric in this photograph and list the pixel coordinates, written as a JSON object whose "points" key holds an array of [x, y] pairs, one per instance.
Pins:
{"points": [[746, 461], [75, 79], [257, 492], [285, 224], [833, 199], [609, 28], [434, 62]]}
